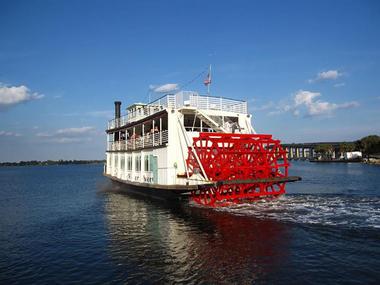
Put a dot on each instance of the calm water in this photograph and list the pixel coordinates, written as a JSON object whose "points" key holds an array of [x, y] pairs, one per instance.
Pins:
{"points": [[65, 224]]}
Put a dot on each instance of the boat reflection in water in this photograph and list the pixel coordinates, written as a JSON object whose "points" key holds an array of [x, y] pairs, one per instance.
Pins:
{"points": [[155, 242]]}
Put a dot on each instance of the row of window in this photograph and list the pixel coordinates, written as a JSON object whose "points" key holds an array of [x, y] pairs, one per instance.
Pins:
{"points": [[129, 161]]}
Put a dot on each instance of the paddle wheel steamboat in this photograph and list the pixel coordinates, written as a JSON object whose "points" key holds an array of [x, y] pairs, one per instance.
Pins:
{"points": [[201, 147]]}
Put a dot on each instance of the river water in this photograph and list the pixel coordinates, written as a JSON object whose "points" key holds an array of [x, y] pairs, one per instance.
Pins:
{"points": [[68, 224]]}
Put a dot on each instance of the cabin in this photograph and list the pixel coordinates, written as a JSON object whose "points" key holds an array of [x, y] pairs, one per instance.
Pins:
{"points": [[150, 142]]}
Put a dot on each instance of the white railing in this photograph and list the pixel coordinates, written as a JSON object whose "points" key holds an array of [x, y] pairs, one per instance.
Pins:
{"points": [[178, 100], [218, 103], [146, 141]]}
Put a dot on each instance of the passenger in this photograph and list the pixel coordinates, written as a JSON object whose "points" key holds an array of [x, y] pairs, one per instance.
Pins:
{"points": [[235, 127], [227, 126]]}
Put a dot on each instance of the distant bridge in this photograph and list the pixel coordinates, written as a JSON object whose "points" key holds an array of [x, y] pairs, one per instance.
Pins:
{"points": [[306, 150]]}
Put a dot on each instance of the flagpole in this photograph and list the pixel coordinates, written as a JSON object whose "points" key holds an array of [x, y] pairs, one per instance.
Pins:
{"points": [[208, 85]]}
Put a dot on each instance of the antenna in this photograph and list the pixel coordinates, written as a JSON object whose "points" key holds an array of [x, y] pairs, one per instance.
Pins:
{"points": [[149, 93]]}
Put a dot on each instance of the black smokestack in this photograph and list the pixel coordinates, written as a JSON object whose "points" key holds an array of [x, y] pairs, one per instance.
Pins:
{"points": [[117, 109]]}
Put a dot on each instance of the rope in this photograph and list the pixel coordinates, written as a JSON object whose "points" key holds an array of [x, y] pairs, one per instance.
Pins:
{"points": [[181, 86], [195, 78]]}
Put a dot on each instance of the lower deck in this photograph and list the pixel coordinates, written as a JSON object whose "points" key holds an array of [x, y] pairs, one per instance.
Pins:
{"points": [[157, 191]]}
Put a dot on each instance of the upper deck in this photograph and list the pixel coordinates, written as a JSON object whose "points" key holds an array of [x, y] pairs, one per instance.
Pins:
{"points": [[182, 99]]}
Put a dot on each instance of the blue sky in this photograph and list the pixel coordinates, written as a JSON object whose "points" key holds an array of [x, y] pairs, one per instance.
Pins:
{"points": [[310, 70]]}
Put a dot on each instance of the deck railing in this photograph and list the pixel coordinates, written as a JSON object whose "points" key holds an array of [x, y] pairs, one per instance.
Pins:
{"points": [[178, 100], [146, 141]]}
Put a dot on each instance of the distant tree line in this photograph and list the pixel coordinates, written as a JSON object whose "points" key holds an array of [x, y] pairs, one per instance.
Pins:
{"points": [[50, 162], [368, 145], [325, 150]]}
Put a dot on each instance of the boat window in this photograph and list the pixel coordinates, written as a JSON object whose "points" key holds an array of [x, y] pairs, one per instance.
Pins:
{"points": [[116, 161], [129, 163], [138, 163], [122, 135], [122, 162], [146, 163]]}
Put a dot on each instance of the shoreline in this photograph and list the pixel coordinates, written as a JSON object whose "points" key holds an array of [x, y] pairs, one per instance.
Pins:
{"points": [[49, 162], [370, 161]]}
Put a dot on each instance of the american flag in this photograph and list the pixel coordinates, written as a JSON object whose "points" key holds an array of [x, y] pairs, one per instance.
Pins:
{"points": [[207, 81]]}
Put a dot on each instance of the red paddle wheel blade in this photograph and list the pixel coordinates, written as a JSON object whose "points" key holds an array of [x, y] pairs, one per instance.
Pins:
{"points": [[254, 166]]}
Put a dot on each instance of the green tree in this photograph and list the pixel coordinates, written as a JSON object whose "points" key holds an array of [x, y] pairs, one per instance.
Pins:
{"points": [[346, 147], [325, 150], [369, 145]]}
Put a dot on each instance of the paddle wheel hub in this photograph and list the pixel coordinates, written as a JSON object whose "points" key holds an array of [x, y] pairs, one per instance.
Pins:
{"points": [[238, 167]]}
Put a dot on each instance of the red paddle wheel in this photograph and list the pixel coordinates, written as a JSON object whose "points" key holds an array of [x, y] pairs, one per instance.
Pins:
{"points": [[238, 167]]}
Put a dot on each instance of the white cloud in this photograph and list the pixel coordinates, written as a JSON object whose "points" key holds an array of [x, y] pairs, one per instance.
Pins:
{"points": [[13, 95], [9, 134], [65, 140], [269, 105], [305, 97], [44, 135], [296, 112], [349, 105], [68, 135], [108, 114], [101, 114], [169, 87], [316, 107], [308, 104], [339, 84], [326, 75], [319, 108], [330, 74], [74, 131]]}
